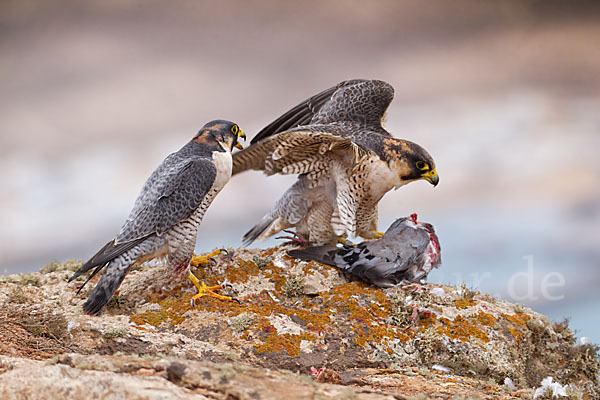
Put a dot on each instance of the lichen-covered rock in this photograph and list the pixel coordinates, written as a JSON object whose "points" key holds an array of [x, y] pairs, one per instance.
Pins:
{"points": [[295, 315]]}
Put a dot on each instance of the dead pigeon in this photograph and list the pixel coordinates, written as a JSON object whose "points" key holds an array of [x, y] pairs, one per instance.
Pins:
{"points": [[407, 252]]}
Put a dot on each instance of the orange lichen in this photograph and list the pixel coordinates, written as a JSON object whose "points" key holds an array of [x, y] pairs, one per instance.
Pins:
{"points": [[368, 308], [363, 308], [242, 271], [140, 328], [173, 304], [274, 342], [464, 303], [426, 321], [462, 329], [154, 318], [270, 251], [517, 334], [518, 318], [485, 318]]}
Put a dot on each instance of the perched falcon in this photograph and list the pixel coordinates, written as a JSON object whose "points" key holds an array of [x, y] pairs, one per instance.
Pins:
{"points": [[345, 159], [408, 251], [167, 212]]}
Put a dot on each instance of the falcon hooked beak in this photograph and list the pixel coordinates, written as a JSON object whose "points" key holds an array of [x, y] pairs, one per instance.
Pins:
{"points": [[431, 177], [240, 135]]}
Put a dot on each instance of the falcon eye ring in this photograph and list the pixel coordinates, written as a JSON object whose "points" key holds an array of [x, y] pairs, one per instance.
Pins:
{"points": [[422, 165], [235, 129]]}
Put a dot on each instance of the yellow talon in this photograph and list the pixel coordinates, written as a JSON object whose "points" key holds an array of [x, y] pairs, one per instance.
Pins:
{"points": [[207, 259], [204, 290], [378, 235], [342, 240]]}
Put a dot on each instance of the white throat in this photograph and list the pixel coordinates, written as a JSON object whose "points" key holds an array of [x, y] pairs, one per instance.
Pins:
{"points": [[224, 164], [382, 178]]}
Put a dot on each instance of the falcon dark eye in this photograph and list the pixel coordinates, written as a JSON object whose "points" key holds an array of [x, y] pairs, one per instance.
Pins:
{"points": [[422, 165], [235, 129]]}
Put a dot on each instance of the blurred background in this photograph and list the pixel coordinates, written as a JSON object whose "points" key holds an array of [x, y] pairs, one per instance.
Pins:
{"points": [[504, 95]]}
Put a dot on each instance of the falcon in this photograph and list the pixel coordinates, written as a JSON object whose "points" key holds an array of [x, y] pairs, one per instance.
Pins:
{"points": [[167, 213], [346, 161], [407, 251]]}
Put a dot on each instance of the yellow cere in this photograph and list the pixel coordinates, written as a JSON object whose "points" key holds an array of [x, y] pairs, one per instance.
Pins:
{"points": [[433, 172]]}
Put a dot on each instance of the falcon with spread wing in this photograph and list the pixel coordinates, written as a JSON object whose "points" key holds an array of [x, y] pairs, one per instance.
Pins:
{"points": [[346, 161], [166, 215]]}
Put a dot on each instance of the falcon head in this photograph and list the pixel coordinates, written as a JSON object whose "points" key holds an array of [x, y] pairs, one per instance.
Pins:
{"points": [[225, 133], [411, 161]]}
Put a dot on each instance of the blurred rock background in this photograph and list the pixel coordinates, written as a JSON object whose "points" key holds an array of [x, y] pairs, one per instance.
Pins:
{"points": [[504, 95]]}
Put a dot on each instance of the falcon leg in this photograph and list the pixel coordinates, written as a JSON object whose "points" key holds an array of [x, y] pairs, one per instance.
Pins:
{"points": [[344, 241], [295, 237], [207, 259], [370, 235], [204, 290]]}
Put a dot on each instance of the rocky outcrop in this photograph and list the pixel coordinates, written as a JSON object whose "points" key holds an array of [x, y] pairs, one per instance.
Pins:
{"points": [[294, 317]]}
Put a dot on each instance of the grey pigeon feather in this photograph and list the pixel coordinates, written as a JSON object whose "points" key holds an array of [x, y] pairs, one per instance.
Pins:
{"points": [[407, 251]]}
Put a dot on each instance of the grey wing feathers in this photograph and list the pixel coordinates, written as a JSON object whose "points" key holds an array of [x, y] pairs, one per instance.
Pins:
{"points": [[364, 102], [171, 194], [175, 195], [303, 113]]}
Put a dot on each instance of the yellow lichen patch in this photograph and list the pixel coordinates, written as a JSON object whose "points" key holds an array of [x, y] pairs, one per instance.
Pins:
{"points": [[154, 318], [517, 334], [173, 304], [140, 322], [426, 321], [368, 308], [363, 309], [518, 318], [316, 321], [241, 272], [462, 329], [270, 251], [309, 268], [485, 318], [274, 342], [464, 303]]}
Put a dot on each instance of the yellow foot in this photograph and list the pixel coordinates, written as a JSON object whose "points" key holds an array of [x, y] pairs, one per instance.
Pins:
{"points": [[207, 259], [378, 235], [204, 290], [344, 241]]}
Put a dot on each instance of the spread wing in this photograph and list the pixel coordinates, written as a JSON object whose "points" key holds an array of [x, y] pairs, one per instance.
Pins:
{"points": [[361, 101], [308, 149], [303, 113]]}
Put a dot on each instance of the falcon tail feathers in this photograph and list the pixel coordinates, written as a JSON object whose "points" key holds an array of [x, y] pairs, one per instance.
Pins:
{"points": [[106, 254], [98, 269], [108, 285], [258, 229]]}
